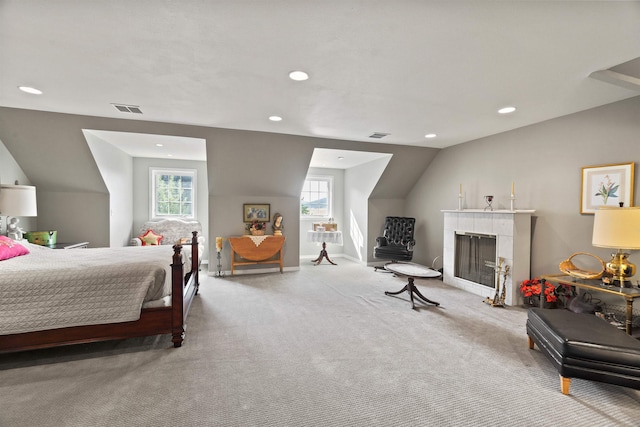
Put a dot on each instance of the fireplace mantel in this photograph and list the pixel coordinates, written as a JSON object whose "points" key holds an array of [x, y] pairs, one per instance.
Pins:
{"points": [[513, 243], [501, 211]]}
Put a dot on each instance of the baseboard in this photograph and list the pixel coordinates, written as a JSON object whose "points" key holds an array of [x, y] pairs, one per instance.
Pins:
{"points": [[340, 255], [241, 272], [310, 257]]}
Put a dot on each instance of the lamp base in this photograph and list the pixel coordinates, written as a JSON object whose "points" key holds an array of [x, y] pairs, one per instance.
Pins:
{"points": [[14, 232], [621, 284], [621, 269]]}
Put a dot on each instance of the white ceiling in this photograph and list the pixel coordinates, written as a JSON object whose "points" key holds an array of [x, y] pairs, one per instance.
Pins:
{"points": [[184, 148], [154, 146], [402, 67], [342, 159]]}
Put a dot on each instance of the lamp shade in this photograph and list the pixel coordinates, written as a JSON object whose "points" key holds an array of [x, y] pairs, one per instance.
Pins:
{"points": [[617, 228], [18, 200]]}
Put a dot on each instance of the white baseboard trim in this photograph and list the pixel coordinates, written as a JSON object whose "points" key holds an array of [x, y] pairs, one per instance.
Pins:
{"points": [[310, 257], [340, 255], [227, 273], [377, 264]]}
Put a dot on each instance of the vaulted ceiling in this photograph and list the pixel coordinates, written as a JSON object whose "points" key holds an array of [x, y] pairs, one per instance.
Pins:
{"points": [[405, 68]]}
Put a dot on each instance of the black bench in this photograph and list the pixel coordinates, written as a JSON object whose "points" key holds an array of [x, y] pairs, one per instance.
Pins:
{"points": [[581, 345]]}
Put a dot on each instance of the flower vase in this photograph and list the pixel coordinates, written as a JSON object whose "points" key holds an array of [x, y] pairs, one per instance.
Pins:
{"points": [[534, 301], [257, 232]]}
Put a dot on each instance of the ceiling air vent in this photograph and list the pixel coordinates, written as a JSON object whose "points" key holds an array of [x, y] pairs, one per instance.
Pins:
{"points": [[378, 135], [128, 108]]}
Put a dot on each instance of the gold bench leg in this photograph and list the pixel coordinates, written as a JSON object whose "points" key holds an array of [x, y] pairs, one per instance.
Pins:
{"points": [[564, 384]]}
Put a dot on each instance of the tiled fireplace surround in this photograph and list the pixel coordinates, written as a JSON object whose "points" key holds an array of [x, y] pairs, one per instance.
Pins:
{"points": [[513, 243]]}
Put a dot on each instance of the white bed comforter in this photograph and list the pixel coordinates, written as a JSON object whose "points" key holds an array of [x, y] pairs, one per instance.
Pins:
{"points": [[51, 288]]}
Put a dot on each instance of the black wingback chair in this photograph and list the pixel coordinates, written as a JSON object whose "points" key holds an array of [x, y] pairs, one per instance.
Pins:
{"points": [[397, 242]]}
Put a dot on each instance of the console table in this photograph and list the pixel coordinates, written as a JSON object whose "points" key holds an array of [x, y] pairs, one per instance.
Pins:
{"points": [[629, 294], [324, 237], [256, 250]]}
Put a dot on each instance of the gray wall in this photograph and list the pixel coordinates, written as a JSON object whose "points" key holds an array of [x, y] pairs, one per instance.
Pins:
{"points": [[10, 172], [52, 151], [242, 167], [545, 161]]}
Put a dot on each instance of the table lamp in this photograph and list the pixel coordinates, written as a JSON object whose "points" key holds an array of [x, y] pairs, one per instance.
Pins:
{"points": [[618, 228], [17, 200]]}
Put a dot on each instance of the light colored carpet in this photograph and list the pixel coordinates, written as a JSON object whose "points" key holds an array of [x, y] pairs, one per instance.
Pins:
{"points": [[319, 347]]}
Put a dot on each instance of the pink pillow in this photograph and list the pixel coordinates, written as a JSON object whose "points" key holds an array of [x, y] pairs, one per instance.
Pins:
{"points": [[10, 248]]}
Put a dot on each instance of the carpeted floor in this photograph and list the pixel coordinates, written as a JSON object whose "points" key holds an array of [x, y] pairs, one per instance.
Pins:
{"points": [[322, 346]]}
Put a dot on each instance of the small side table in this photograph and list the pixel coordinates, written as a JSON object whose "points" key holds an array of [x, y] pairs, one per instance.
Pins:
{"points": [[412, 270], [81, 245], [256, 250], [325, 237]]}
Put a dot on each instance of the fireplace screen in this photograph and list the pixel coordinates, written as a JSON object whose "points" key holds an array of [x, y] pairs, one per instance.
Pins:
{"points": [[475, 258]]}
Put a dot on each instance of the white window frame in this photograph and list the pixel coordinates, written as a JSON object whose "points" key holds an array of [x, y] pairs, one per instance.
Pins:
{"points": [[329, 180], [153, 171]]}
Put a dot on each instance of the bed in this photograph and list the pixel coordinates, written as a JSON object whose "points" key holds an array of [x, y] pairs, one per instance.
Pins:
{"points": [[55, 297]]}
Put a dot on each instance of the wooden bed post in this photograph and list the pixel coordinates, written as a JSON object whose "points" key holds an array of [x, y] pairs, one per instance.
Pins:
{"points": [[177, 313], [195, 260], [183, 288]]}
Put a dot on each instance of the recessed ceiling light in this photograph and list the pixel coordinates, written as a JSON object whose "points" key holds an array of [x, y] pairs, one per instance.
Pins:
{"points": [[507, 110], [159, 145], [430, 135], [298, 76], [31, 90], [169, 155], [275, 118], [340, 158]]}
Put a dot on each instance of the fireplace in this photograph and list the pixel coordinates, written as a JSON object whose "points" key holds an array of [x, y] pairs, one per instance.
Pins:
{"points": [[511, 233], [475, 258]]}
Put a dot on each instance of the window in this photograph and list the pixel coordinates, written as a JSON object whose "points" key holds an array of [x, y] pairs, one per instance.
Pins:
{"points": [[173, 193], [316, 197]]}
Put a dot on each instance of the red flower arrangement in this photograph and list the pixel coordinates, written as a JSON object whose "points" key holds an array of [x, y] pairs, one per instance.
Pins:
{"points": [[532, 287]]}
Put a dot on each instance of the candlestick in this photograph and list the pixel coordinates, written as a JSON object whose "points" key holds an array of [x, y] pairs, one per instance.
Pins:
{"points": [[460, 201], [513, 202]]}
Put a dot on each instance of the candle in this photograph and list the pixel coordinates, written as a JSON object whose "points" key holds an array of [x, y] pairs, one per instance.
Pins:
{"points": [[512, 192], [460, 192], [218, 244]]}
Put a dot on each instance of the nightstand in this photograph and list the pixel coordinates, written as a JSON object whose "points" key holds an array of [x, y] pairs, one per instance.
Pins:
{"points": [[81, 245]]}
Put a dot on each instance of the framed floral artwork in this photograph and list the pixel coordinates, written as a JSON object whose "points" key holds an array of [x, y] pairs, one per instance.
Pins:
{"points": [[606, 185], [256, 212]]}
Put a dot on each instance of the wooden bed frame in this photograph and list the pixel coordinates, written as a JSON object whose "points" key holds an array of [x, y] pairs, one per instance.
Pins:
{"points": [[152, 321]]}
